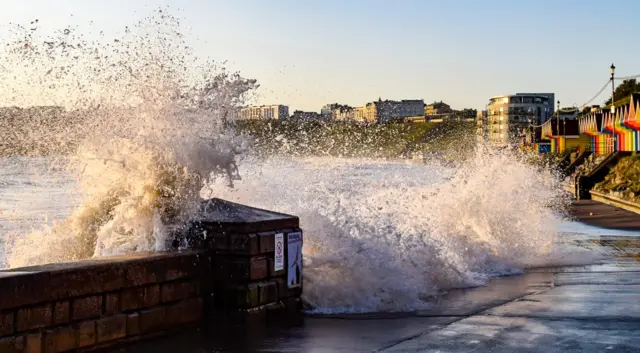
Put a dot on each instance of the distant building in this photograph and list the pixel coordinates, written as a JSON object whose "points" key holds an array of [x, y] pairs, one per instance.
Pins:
{"points": [[437, 108], [399, 110], [344, 113], [265, 112], [327, 110], [388, 110], [509, 115], [300, 115], [366, 114], [338, 112]]}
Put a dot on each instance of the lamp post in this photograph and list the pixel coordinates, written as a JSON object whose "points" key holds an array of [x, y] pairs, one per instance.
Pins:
{"points": [[613, 108], [558, 126]]}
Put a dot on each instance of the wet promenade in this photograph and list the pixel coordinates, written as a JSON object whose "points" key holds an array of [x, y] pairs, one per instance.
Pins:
{"points": [[594, 308]]}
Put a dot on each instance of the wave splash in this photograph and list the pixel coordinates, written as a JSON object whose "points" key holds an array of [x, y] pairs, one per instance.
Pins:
{"points": [[143, 130], [382, 236], [140, 123]]}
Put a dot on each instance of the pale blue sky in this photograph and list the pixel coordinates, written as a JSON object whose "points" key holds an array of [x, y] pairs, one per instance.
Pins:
{"points": [[307, 53]]}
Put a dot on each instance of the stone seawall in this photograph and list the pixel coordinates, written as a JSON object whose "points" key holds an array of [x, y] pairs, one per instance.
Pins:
{"points": [[238, 273]]}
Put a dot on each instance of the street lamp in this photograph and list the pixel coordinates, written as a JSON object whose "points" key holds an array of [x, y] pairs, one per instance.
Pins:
{"points": [[613, 108], [558, 127]]}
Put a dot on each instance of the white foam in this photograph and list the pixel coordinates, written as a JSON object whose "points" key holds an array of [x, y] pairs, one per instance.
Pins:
{"points": [[143, 129], [379, 235], [382, 236]]}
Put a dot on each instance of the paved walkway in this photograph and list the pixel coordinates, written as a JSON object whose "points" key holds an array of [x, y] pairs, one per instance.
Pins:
{"points": [[600, 215], [593, 308]]}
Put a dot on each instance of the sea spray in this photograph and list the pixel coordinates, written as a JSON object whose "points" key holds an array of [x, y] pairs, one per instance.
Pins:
{"points": [[141, 127], [140, 123], [388, 235]]}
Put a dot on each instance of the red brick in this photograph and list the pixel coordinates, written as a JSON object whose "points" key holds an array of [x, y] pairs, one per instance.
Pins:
{"points": [[221, 268], [61, 339], [6, 323], [33, 343], [187, 311], [61, 313], [11, 345], [244, 296], [34, 317], [152, 320], [219, 241], [86, 334], [112, 303], [246, 244], [283, 291], [254, 268], [267, 242], [86, 308], [133, 324], [142, 297], [170, 292], [111, 328], [268, 292]]}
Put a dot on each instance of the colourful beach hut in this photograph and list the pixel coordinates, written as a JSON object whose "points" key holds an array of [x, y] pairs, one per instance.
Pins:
{"points": [[590, 124], [564, 135], [632, 122]]}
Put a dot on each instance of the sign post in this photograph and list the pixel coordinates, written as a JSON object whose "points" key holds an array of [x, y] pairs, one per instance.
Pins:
{"points": [[278, 263]]}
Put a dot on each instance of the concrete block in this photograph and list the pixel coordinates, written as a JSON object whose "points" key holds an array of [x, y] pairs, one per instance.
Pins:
{"points": [[6, 323], [86, 334], [111, 328], [86, 308], [60, 339], [61, 312], [152, 320], [11, 345], [112, 303], [268, 292], [34, 317], [141, 297], [133, 324], [174, 291], [245, 244], [33, 343], [267, 242]]}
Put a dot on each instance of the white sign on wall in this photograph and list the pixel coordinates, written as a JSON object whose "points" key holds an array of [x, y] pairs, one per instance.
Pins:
{"points": [[278, 263], [294, 259]]}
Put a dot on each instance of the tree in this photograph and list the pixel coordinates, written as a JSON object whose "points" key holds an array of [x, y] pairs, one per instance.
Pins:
{"points": [[625, 89]]}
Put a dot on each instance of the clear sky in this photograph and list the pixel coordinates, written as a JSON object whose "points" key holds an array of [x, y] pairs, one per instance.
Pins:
{"points": [[306, 53]]}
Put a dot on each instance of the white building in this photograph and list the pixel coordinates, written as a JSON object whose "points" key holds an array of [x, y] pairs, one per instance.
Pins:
{"points": [[265, 112], [507, 115]]}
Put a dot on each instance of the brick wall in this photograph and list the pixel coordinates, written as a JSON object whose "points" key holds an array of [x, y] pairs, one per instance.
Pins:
{"points": [[99, 302], [63, 307], [246, 284]]}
